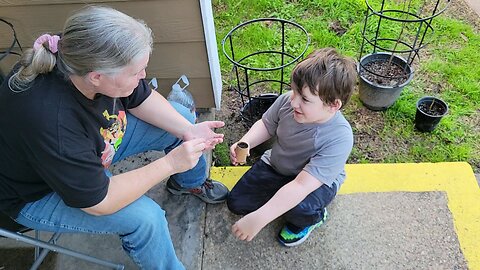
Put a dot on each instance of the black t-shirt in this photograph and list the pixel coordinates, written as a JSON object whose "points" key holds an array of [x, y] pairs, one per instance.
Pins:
{"points": [[52, 138]]}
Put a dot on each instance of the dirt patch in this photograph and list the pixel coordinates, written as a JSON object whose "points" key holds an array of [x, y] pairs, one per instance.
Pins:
{"points": [[336, 27], [460, 10]]}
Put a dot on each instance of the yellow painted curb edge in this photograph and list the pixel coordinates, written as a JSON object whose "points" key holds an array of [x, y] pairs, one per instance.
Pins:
{"points": [[456, 179]]}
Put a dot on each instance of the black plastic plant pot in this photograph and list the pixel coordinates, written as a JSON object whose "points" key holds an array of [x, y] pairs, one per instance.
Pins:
{"points": [[254, 109], [430, 111], [378, 97]]}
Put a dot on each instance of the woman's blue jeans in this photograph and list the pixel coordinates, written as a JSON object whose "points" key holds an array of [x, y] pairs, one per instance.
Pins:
{"points": [[142, 225]]}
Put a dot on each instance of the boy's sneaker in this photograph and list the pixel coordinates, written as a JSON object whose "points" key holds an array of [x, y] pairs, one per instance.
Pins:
{"points": [[210, 191], [291, 239]]}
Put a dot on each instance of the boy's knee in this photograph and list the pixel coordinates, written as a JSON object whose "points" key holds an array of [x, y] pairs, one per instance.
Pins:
{"points": [[234, 205]]}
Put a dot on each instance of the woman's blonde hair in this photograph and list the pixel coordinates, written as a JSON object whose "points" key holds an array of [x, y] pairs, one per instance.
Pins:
{"points": [[95, 38]]}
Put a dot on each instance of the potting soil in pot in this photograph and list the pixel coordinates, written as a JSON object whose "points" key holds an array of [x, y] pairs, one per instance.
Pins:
{"points": [[432, 108], [391, 74]]}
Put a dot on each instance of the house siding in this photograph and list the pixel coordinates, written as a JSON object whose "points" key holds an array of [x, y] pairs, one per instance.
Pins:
{"points": [[179, 38]]}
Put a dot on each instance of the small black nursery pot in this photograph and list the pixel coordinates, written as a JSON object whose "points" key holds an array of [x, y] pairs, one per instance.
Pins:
{"points": [[430, 111]]}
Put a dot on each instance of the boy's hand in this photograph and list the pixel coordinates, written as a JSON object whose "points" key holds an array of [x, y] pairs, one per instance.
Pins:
{"points": [[248, 227], [233, 155]]}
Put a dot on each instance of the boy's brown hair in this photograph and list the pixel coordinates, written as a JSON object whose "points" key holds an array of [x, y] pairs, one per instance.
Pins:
{"points": [[328, 74]]}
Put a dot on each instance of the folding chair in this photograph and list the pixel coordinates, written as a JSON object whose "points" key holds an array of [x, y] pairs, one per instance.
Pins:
{"points": [[10, 229]]}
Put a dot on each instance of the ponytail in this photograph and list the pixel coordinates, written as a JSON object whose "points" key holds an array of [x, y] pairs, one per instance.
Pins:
{"points": [[95, 38], [40, 59]]}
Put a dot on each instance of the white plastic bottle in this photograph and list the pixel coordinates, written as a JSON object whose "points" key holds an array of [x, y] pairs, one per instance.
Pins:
{"points": [[181, 95]]}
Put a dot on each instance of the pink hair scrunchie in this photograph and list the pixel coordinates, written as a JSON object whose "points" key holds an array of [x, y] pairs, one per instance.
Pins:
{"points": [[52, 42]]}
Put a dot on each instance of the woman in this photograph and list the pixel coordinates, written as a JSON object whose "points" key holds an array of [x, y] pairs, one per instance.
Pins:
{"points": [[77, 103]]}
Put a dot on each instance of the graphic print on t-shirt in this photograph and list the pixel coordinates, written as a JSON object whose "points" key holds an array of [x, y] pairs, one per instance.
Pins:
{"points": [[112, 135]]}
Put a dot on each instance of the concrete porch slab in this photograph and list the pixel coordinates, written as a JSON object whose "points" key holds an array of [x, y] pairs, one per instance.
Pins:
{"points": [[453, 179], [390, 230], [386, 216]]}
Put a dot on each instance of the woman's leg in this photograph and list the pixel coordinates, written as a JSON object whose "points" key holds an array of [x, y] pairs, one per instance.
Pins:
{"points": [[141, 137], [141, 226], [256, 187]]}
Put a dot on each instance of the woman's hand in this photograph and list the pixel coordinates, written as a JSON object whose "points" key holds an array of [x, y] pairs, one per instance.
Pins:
{"points": [[233, 154], [185, 156], [205, 131], [248, 227]]}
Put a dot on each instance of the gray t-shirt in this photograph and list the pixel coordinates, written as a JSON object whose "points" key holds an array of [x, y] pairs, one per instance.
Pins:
{"points": [[319, 149]]}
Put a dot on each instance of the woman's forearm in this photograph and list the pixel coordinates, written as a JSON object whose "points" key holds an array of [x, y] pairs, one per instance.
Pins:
{"points": [[127, 187], [157, 111]]}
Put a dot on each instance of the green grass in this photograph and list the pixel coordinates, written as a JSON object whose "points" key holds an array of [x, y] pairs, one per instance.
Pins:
{"points": [[448, 68], [221, 155]]}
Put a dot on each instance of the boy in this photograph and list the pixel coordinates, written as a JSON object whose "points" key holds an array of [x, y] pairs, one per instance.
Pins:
{"points": [[303, 171]]}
